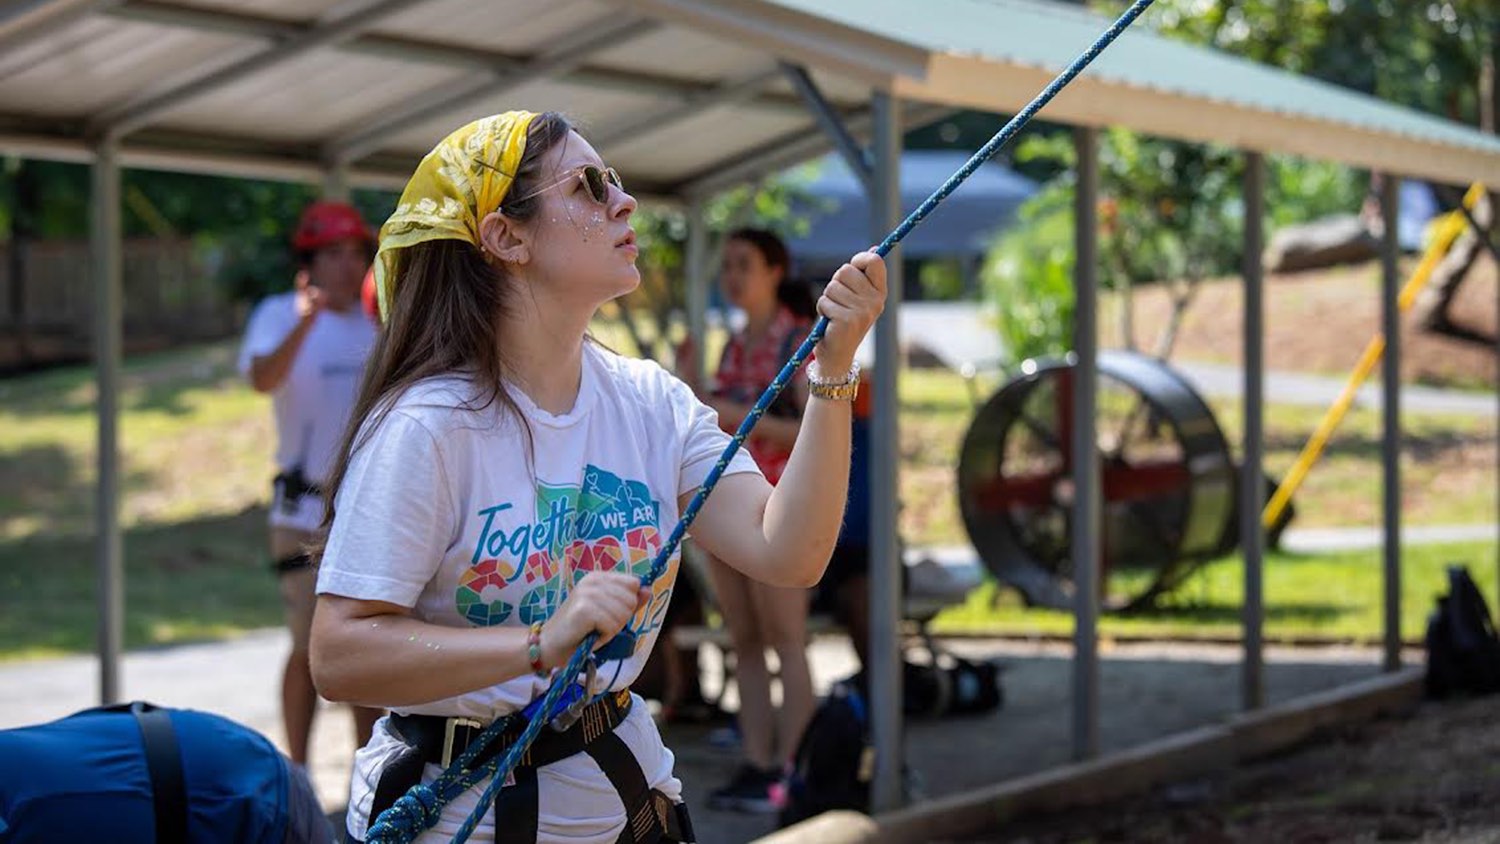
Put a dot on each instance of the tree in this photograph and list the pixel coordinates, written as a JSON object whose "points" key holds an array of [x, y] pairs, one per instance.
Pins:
{"points": [[243, 224], [1430, 55], [1173, 211]]}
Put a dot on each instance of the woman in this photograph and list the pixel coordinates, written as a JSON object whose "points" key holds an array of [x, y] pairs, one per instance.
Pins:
{"points": [[507, 482], [778, 316]]}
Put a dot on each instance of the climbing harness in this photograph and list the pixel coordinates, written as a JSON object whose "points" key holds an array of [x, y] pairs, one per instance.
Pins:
{"points": [[422, 804]]}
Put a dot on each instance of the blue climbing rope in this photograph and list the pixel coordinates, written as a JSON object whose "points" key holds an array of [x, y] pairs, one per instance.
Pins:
{"points": [[420, 807]]}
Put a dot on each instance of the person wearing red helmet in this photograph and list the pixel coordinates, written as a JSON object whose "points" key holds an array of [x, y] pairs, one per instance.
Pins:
{"points": [[306, 348]]}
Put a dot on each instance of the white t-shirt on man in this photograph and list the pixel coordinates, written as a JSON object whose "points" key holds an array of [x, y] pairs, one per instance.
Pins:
{"points": [[445, 509], [312, 405]]}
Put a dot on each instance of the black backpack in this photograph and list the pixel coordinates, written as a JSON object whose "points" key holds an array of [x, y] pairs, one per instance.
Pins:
{"points": [[945, 685], [835, 759], [1463, 652], [950, 685]]}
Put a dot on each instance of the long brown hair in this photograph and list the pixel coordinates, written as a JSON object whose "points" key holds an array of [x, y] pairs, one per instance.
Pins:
{"points": [[444, 317]]}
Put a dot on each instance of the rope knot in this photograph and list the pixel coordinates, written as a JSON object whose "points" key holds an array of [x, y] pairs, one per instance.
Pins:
{"points": [[413, 812]]}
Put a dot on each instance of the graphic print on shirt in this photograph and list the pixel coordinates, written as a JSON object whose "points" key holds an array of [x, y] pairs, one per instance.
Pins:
{"points": [[524, 568]]}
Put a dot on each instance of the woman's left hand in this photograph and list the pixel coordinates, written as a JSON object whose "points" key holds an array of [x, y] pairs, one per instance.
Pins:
{"points": [[852, 302]]}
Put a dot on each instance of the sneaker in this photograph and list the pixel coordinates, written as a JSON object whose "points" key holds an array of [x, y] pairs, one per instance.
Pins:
{"points": [[748, 792]]}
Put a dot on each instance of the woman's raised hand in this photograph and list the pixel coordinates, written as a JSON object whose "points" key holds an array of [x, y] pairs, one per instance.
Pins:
{"points": [[852, 301]]}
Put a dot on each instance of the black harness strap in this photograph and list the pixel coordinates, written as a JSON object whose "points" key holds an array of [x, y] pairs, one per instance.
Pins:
{"points": [[642, 826], [164, 766], [650, 817], [517, 809], [400, 774]]}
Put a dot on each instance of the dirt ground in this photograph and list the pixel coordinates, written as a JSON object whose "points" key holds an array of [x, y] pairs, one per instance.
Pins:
{"points": [[1433, 777], [1320, 321]]}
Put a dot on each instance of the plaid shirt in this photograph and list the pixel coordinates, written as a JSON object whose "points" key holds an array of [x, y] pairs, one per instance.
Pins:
{"points": [[746, 370]]}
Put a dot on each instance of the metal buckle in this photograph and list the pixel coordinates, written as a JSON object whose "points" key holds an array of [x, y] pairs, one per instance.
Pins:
{"points": [[568, 717], [449, 727]]}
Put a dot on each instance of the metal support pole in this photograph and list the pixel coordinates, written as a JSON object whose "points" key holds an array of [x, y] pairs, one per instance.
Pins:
{"points": [[857, 157], [336, 183], [108, 298], [1495, 224], [1390, 286], [696, 275], [1252, 474], [885, 558], [1085, 450]]}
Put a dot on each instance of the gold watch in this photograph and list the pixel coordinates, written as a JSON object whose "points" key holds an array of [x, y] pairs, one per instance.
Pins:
{"points": [[833, 389]]}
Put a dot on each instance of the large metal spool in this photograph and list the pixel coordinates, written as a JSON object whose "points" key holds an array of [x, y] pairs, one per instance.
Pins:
{"points": [[1167, 491]]}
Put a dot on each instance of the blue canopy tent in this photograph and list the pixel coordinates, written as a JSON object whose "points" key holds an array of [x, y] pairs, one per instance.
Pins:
{"points": [[962, 227]]}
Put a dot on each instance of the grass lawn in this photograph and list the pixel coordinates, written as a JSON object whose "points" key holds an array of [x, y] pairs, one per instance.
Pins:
{"points": [[1313, 597], [196, 447], [1448, 461]]}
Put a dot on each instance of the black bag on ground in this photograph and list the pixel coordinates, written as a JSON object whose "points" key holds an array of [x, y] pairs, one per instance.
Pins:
{"points": [[950, 685], [945, 685], [835, 760], [1463, 651]]}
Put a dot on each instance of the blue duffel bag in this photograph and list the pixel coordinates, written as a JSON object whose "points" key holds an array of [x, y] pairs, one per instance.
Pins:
{"points": [[140, 774]]}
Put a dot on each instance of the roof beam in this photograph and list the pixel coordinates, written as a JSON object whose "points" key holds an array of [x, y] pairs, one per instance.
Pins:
{"points": [[220, 155], [204, 19], [376, 45], [13, 9], [566, 54], [792, 149], [726, 93], [21, 24], [407, 49], [791, 34], [854, 153], [130, 116]]}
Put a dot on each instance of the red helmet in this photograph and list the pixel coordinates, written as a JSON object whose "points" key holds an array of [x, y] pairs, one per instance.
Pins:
{"points": [[325, 223]]}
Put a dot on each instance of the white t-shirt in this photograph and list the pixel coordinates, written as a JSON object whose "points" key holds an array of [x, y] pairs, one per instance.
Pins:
{"points": [[313, 403], [441, 511]]}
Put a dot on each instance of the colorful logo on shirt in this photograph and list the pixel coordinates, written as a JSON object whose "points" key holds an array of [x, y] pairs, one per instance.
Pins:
{"points": [[526, 568], [479, 593]]}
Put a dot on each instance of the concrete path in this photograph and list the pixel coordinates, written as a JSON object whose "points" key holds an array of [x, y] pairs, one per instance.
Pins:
{"points": [[1147, 691], [961, 335], [1227, 381], [1322, 540]]}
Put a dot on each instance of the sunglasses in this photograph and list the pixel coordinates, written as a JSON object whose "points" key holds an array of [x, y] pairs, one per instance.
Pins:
{"points": [[596, 180]]}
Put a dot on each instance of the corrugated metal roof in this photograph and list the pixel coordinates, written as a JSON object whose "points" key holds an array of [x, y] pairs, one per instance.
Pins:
{"points": [[1048, 36], [71, 63], [996, 53]]}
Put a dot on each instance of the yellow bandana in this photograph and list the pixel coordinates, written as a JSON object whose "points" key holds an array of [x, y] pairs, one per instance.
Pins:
{"points": [[462, 180]]}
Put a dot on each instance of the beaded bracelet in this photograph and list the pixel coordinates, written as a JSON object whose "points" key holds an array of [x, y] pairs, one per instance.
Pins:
{"points": [[534, 649]]}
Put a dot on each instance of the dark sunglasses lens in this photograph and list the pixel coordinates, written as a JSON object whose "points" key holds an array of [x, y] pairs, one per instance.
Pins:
{"points": [[593, 179]]}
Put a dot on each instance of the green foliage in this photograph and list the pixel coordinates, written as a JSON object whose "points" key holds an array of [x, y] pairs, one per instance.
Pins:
{"points": [[1175, 210], [1029, 276], [1298, 190], [1167, 210], [1332, 596], [941, 279], [242, 226], [1425, 54]]}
